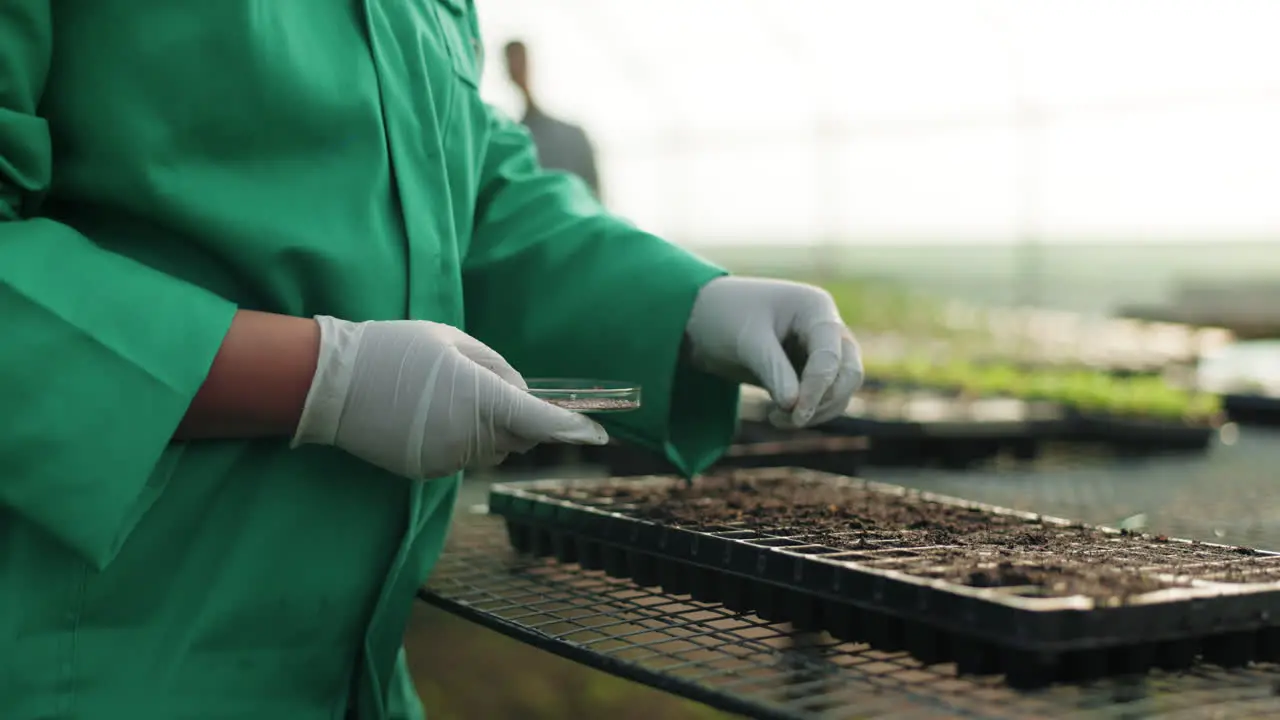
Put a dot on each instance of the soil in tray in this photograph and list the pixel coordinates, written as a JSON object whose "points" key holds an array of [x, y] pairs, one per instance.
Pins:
{"points": [[970, 546]]}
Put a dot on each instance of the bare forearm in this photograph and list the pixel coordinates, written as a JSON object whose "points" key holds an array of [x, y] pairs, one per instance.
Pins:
{"points": [[259, 380]]}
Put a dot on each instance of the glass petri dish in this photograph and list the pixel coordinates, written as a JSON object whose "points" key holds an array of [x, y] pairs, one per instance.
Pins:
{"points": [[586, 395]]}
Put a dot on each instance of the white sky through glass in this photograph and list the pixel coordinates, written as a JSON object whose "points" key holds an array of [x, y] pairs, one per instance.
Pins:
{"points": [[738, 121]]}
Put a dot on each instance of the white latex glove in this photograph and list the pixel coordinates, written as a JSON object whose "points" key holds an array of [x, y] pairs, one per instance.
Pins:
{"points": [[785, 337], [425, 400]]}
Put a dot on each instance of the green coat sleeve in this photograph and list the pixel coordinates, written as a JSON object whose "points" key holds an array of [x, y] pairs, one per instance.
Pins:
{"points": [[100, 356], [563, 289]]}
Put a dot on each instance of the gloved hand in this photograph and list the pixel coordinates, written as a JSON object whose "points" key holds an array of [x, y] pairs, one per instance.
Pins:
{"points": [[785, 337], [425, 400]]}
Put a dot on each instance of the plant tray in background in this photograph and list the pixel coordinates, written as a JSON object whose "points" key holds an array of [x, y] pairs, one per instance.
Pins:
{"points": [[995, 591], [949, 432], [1252, 409], [1143, 434]]}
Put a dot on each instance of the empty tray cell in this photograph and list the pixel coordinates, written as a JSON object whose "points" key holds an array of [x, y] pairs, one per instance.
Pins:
{"points": [[906, 570], [518, 536], [590, 554], [674, 577], [704, 584], [843, 621], [927, 644], [1268, 647], [770, 602], [1177, 654], [805, 612], [974, 656], [565, 547], [1083, 666], [735, 593], [540, 542], [615, 561], [1132, 660], [644, 569], [815, 550], [885, 632], [1028, 670], [1230, 650]]}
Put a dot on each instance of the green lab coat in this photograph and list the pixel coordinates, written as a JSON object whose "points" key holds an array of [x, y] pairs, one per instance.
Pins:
{"points": [[163, 162]]}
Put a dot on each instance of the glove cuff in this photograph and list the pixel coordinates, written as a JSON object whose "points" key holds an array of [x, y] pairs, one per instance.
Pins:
{"points": [[322, 413]]}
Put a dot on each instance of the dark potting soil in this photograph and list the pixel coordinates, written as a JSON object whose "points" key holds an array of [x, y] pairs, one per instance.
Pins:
{"points": [[969, 546]]}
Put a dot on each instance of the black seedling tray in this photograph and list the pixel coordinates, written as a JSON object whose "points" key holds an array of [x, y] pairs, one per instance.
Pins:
{"points": [[1142, 434], [963, 443], [826, 453], [960, 439], [1252, 409], [882, 595], [961, 434]]}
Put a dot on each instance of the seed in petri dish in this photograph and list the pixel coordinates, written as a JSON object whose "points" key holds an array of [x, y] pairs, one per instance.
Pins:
{"points": [[594, 404]]}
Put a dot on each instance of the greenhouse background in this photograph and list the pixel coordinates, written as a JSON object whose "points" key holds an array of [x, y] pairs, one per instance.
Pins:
{"points": [[1100, 151]]}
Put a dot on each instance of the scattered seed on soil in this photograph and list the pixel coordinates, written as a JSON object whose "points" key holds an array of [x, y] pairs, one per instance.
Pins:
{"points": [[594, 404], [959, 544]]}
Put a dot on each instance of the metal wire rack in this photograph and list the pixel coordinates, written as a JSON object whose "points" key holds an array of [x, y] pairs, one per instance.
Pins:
{"points": [[744, 664]]}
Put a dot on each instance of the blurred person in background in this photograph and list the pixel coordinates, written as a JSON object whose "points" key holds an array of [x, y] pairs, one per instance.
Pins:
{"points": [[561, 145], [257, 315]]}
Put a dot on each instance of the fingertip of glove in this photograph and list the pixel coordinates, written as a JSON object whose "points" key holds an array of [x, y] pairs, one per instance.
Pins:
{"points": [[785, 393], [585, 432], [598, 437], [782, 419], [788, 400], [792, 419]]}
